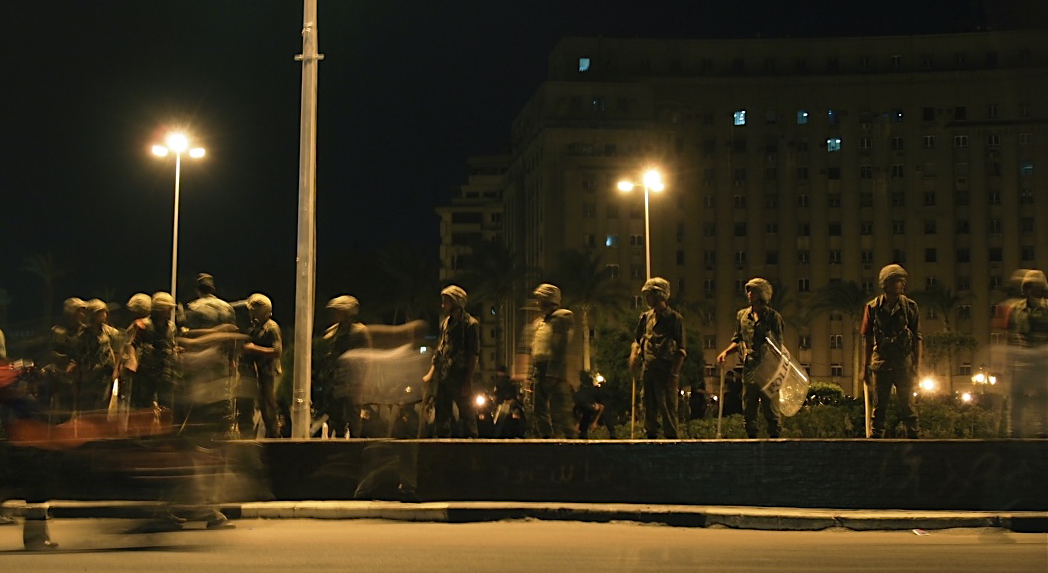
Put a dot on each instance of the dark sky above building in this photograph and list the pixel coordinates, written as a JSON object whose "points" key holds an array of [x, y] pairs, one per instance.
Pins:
{"points": [[408, 90]]}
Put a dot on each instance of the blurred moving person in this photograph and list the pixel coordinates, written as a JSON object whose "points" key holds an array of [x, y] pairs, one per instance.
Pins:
{"points": [[552, 333], [96, 359], [1028, 353], [342, 382]]}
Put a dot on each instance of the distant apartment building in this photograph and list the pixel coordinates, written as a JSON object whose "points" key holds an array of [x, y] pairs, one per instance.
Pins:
{"points": [[804, 161]]}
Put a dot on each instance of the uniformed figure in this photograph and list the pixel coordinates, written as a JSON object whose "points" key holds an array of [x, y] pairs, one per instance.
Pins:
{"points": [[207, 310], [892, 334], [154, 380], [96, 359], [62, 358], [753, 325], [139, 306], [263, 353], [1028, 355], [343, 384], [449, 381], [657, 354], [551, 333]]}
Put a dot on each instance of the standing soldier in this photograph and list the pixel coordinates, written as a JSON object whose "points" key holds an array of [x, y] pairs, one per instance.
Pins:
{"points": [[551, 335], [1028, 342], [140, 306], [154, 381], [892, 357], [450, 377], [96, 359], [64, 343], [207, 310], [753, 325], [263, 353], [658, 353], [342, 387], [208, 314]]}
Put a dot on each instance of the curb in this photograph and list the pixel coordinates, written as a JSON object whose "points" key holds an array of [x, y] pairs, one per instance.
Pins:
{"points": [[735, 517]]}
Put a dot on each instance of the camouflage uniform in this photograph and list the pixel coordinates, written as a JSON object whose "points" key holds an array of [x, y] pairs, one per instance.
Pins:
{"points": [[343, 386], [1028, 343], [660, 335], [208, 311], [96, 361], [154, 380], [459, 344], [554, 404], [64, 342], [268, 370], [750, 334], [896, 334]]}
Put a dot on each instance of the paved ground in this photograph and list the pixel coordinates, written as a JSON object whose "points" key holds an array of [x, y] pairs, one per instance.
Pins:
{"points": [[262, 545]]}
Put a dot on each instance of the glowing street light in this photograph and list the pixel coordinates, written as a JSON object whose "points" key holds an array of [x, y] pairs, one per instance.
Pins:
{"points": [[651, 181], [928, 385], [178, 144]]}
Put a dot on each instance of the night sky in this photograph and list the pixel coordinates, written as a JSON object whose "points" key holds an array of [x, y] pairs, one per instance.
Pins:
{"points": [[407, 91]]}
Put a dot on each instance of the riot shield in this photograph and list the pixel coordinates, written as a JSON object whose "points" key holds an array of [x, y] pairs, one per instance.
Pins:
{"points": [[777, 375]]}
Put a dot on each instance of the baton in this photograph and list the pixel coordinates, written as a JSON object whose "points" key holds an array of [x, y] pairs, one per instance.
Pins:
{"points": [[720, 402]]}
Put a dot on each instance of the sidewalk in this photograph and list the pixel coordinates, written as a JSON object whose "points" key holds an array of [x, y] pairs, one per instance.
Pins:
{"points": [[738, 517]]}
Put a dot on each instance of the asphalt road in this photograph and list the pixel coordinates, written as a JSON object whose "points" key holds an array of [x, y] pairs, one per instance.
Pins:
{"points": [[375, 546]]}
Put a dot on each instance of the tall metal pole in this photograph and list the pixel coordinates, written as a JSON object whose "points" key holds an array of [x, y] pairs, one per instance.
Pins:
{"points": [[174, 234], [647, 276], [306, 255]]}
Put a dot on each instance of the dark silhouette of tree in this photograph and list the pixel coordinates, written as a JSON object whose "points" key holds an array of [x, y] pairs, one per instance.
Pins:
{"points": [[490, 273], [589, 287], [849, 299], [411, 288]]}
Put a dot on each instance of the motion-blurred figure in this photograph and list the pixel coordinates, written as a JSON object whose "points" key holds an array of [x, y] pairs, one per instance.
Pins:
{"points": [[61, 363], [592, 406], [449, 382], [1028, 350], [262, 354], [342, 383], [207, 310], [658, 353], [154, 380], [96, 359], [553, 332]]}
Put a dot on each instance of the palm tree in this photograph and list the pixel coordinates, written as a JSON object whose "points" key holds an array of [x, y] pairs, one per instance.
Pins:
{"points": [[491, 272], [412, 285], [943, 302], [44, 266], [588, 286], [848, 299], [939, 299]]}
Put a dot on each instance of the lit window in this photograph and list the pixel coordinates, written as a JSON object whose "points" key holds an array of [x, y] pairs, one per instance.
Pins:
{"points": [[611, 241], [833, 144], [802, 117], [740, 117], [584, 64], [831, 116]]}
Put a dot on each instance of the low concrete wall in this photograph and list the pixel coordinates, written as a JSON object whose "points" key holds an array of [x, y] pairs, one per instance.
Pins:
{"points": [[858, 474], [1002, 475]]}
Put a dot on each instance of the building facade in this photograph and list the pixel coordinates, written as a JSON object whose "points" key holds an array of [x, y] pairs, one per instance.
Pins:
{"points": [[804, 161]]}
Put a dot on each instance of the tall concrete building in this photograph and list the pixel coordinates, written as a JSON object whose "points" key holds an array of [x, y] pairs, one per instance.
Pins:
{"points": [[804, 161]]}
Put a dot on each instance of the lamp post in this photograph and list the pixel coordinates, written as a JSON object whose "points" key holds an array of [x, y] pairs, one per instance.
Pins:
{"points": [[651, 181], [178, 144]]}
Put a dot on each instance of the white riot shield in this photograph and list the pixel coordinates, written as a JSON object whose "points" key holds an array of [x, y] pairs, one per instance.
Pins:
{"points": [[779, 376]]}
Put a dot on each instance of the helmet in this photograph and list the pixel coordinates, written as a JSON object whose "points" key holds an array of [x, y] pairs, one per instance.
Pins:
{"points": [[140, 304], [546, 292]]}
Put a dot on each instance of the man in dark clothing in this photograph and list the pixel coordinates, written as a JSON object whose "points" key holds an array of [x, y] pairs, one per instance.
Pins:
{"points": [[263, 352], [154, 380], [449, 381], [1028, 355], [753, 325], [591, 406], [891, 329], [658, 352]]}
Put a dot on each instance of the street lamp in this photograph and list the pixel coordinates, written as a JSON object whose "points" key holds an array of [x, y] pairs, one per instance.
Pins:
{"points": [[178, 144], [652, 181]]}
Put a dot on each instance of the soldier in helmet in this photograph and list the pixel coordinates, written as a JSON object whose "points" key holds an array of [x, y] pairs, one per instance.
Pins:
{"points": [[891, 328], [658, 353], [154, 380], [342, 397], [262, 354], [62, 359], [207, 310], [139, 306], [551, 335], [450, 378], [1028, 355], [96, 359], [753, 326]]}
